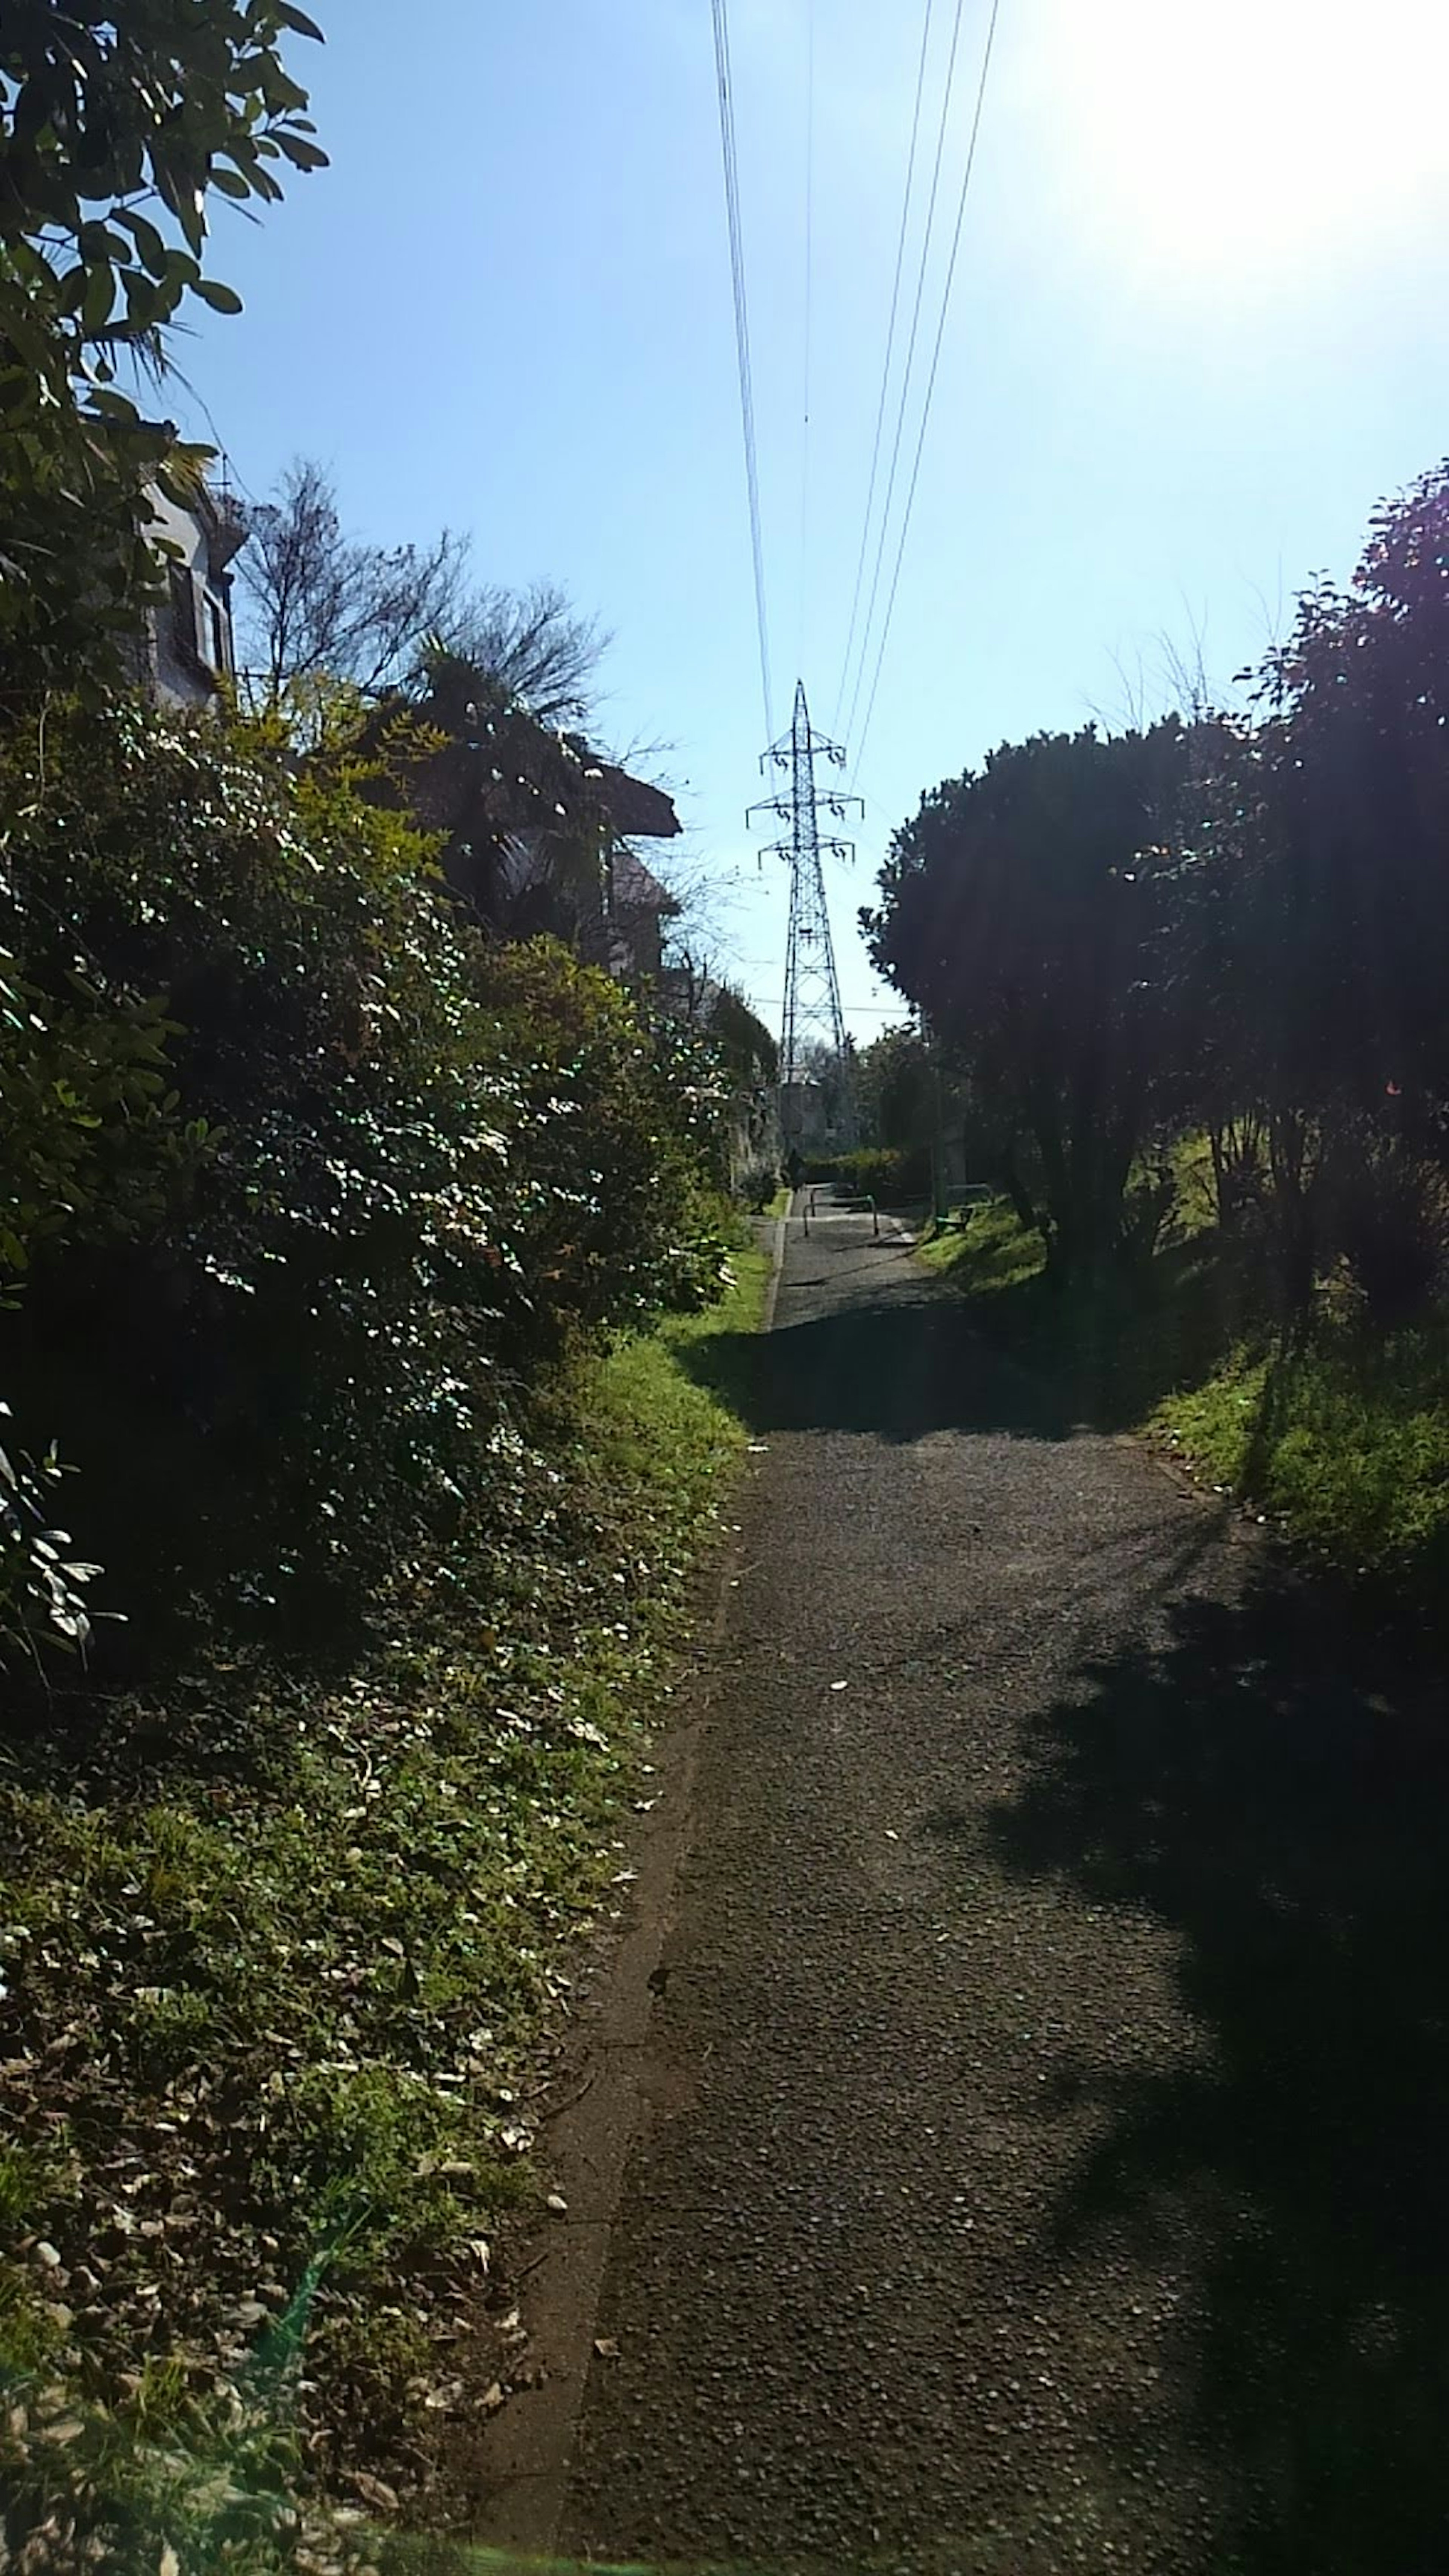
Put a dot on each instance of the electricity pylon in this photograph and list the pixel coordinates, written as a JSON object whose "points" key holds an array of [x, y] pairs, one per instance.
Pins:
{"points": [[812, 1015]]}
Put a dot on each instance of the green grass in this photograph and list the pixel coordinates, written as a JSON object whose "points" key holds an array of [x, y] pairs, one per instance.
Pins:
{"points": [[279, 1990], [992, 1253], [1346, 1440], [1114, 1347]]}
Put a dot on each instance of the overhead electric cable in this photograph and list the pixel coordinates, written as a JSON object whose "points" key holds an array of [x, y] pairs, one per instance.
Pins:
{"points": [[885, 373], [931, 379], [809, 305], [742, 332], [910, 363]]}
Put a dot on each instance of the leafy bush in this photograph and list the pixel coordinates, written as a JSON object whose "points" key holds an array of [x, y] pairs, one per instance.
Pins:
{"points": [[42, 1600], [104, 114], [1346, 1437], [1388, 1215], [876, 1171], [615, 1142], [338, 1180], [756, 1182], [1147, 1204]]}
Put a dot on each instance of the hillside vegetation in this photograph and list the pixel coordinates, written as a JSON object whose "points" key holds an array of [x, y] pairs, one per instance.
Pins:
{"points": [[1188, 996], [353, 1233]]}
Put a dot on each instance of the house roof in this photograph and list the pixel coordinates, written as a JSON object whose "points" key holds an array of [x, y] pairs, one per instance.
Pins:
{"points": [[635, 808]]}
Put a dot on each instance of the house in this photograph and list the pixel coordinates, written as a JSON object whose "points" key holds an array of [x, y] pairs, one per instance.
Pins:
{"points": [[537, 830], [188, 647], [749, 1059], [636, 908]]}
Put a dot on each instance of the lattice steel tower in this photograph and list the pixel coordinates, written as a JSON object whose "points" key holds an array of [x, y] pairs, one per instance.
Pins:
{"points": [[812, 1014]]}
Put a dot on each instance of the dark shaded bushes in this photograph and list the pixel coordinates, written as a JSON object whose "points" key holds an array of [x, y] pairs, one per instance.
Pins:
{"points": [[304, 1186]]}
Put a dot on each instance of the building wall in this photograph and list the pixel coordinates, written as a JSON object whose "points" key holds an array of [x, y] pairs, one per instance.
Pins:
{"points": [[190, 637]]}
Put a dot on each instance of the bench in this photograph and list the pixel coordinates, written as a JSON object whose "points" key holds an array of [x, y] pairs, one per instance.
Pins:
{"points": [[958, 1207]]}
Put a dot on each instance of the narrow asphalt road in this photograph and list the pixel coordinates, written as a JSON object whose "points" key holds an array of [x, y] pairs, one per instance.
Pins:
{"points": [[1047, 2082]]}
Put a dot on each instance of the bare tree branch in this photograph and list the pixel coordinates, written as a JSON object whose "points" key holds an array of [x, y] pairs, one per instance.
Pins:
{"points": [[533, 647], [319, 600]]}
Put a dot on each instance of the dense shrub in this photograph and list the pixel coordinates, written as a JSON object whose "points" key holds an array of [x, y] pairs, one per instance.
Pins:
{"points": [[1387, 1213], [882, 1172], [374, 1172], [756, 1182], [614, 1130]]}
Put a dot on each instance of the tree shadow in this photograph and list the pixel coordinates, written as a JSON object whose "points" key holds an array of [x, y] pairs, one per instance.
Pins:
{"points": [[899, 1369], [1116, 1345], [1262, 1787]]}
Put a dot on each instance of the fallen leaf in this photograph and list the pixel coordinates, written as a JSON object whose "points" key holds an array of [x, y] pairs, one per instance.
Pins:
{"points": [[375, 2491], [607, 2347], [557, 2201]]}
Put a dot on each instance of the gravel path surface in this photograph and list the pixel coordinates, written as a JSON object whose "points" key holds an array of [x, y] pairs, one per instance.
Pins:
{"points": [[1016, 2191]]}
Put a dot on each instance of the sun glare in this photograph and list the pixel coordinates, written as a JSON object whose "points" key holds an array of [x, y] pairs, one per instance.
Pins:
{"points": [[1254, 135]]}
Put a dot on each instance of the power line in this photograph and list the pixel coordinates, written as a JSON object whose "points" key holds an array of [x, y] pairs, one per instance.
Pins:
{"points": [[885, 373], [809, 305], [742, 330], [910, 361], [931, 379]]}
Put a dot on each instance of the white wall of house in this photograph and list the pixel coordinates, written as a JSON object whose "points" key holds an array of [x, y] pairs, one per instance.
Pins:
{"points": [[191, 642]]}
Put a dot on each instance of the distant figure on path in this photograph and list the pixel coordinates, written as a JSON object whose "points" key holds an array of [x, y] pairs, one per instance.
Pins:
{"points": [[794, 1167]]}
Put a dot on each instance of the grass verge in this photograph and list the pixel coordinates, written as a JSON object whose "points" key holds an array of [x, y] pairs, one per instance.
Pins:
{"points": [[1344, 1441], [278, 1965], [1347, 1441]]}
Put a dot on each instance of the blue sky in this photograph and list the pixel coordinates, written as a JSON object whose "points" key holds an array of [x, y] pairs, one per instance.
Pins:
{"points": [[1198, 328]]}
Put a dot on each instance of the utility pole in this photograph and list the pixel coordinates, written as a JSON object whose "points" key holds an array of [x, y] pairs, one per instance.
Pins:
{"points": [[812, 1013]]}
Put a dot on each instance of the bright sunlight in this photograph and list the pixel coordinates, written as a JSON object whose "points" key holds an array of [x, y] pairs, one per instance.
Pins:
{"points": [[1260, 136]]}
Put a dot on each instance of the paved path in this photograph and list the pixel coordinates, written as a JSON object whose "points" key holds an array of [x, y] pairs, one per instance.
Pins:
{"points": [[1045, 2162]]}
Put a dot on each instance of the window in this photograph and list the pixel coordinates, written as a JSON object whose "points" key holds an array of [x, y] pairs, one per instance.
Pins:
{"points": [[183, 611]]}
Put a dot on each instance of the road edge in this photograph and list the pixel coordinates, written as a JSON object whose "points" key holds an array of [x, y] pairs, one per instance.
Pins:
{"points": [[772, 1293], [525, 2453]]}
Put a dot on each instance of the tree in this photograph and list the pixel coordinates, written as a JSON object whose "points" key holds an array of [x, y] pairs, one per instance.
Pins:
{"points": [[1312, 902], [894, 1090], [321, 601], [116, 130], [533, 647], [1023, 913], [304, 1181], [386, 618]]}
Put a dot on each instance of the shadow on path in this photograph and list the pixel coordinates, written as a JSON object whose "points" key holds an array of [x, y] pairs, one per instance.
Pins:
{"points": [[1256, 1786], [901, 1369]]}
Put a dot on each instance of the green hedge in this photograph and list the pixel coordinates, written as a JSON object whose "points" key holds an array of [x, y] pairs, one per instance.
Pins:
{"points": [[877, 1171], [304, 1186]]}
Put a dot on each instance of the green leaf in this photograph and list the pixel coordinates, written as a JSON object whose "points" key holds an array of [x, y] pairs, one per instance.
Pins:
{"points": [[222, 299], [146, 238], [98, 242], [299, 22], [99, 297], [229, 182], [302, 154]]}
